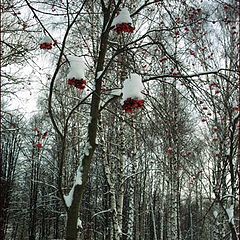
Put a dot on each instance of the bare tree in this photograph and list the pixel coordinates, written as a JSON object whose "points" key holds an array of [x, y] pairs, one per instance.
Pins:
{"points": [[151, 166]]}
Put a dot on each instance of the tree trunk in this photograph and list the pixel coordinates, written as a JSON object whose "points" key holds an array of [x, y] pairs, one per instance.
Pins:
{"points": [[72, 215], [74, 209]]}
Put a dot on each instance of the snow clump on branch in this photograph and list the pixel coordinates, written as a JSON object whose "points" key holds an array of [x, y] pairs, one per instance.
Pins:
{"points": [[132, 87], [123, 17], [123, 22], [132, 98], [76, 75], [77, 67], [46, 43]]}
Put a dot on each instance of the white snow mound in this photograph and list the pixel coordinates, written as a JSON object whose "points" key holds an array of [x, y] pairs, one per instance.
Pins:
{"points": [[132, 87], [77, 67], [45, 39], [123, 17]]}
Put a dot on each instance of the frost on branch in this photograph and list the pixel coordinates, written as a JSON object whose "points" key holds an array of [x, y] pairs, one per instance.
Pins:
{"points": [[46, 43], [132, 97], [76, 75], [123, 22]]}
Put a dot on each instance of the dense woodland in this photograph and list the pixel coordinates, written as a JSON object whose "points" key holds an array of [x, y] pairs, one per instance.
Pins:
{"points": [[81, 166]]}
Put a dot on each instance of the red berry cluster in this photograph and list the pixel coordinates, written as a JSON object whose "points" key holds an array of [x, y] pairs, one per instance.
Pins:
{"points": [[39, 146], [46, 46], [132, 104], [40, 137], [213, 85], [170, 151], [124, 27], [194, 13], [79, 84]]}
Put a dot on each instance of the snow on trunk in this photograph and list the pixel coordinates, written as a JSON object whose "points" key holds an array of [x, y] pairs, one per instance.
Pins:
{"points": [[78, 181], [215, 214], [79, 223], [230, 213], [87, 148]]}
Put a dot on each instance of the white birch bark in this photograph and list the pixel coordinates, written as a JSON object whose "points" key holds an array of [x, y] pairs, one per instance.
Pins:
{"points": [[114, 175], [131, 185]]}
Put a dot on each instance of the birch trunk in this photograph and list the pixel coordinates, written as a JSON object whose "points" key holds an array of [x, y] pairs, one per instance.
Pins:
{"points": [[132, 181]]}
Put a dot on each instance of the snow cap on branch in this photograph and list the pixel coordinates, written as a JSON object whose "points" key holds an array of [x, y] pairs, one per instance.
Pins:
{"points": [[77, 68], [123, 17], [45, 39], [132, 87], [46, 43]]}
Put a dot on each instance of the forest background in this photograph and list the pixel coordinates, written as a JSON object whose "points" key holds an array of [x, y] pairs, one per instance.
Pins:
{"points": [[76, 165]]}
